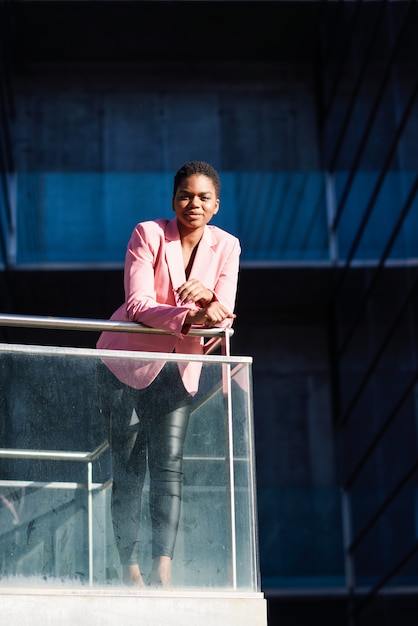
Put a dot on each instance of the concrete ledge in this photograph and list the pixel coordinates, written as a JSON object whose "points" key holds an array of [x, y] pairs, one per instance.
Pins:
{"points": [[49, 607]]}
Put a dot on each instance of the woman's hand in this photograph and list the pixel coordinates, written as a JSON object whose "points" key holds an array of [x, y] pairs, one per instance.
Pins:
{"points": [[213, 314], [193, 291]]}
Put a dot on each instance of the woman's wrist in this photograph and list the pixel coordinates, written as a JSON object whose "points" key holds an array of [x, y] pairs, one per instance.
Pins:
{"points": [[210, 298], [190, 317]]}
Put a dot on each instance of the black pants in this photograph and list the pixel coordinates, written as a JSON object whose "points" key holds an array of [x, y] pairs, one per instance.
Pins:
{"points": [[143, 424]]}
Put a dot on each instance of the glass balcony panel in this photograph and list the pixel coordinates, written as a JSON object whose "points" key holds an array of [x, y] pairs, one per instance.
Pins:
{"points": [[56, 475]]}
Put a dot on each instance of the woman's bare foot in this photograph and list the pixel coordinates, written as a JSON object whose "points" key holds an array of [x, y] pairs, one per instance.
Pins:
{"points": [[132, 576], [161, 572]]}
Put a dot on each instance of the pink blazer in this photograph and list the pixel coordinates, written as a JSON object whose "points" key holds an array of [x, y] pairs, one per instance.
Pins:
{"points": [[153, 270]]}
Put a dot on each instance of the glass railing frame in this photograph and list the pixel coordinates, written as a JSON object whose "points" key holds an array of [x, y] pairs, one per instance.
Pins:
{"points": [[216, 338]]}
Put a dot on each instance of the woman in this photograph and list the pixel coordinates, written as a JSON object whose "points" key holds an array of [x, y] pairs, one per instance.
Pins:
{"points": [[178, 273]]}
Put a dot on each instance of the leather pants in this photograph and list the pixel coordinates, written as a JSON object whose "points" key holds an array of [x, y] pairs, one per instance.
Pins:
{"points": [[145, 424]]}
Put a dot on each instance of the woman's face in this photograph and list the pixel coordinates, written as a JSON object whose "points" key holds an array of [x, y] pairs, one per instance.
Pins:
{"points": [[195, 202]]}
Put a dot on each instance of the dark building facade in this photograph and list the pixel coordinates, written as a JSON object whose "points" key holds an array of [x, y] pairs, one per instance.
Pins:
{"points": [[309, 111]]}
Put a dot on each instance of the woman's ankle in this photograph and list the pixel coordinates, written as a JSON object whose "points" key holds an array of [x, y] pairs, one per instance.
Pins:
{"points": [[132, 575], [161, 571]]}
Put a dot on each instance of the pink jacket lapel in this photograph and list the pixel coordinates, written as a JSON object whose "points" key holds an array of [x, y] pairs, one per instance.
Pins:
{"points": [[174, 256], [203, 259]]}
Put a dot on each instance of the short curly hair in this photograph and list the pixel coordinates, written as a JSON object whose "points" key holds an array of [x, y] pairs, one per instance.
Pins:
{"points": [[197, 167]]}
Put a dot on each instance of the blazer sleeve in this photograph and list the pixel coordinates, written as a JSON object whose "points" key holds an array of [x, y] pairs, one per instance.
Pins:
{"points": [[141, 280], [225, 289]]}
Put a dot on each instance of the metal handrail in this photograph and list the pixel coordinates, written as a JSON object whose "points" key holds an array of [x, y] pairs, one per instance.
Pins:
{"points": [[54, 455], [75, 323], [215, 335]]}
